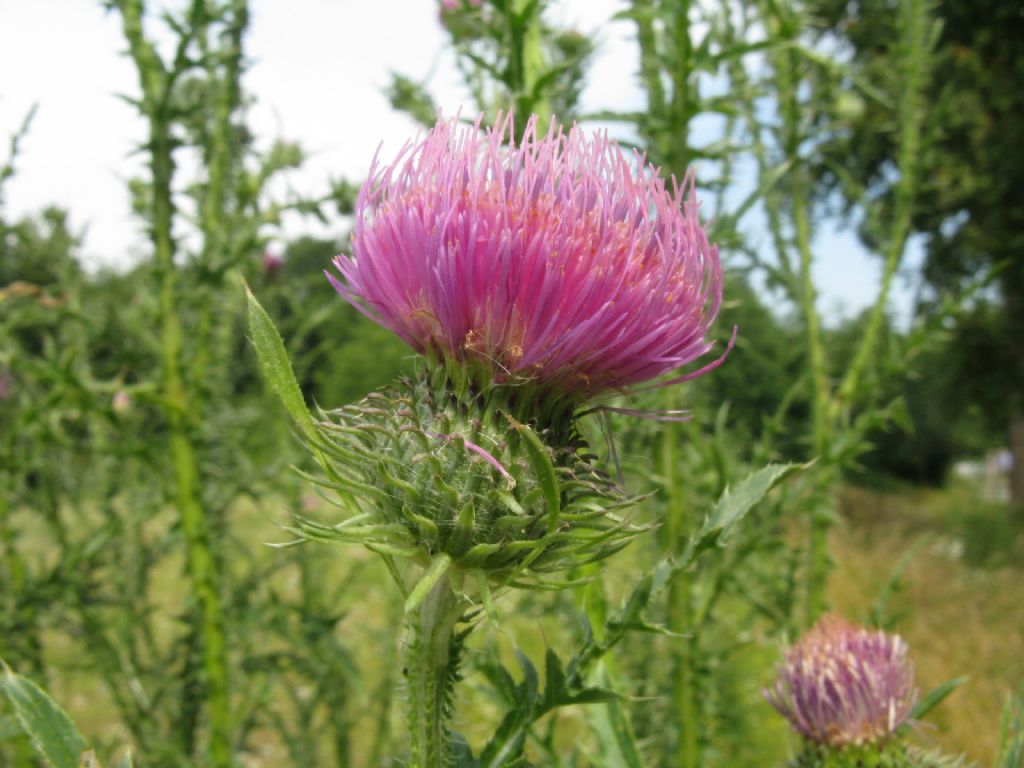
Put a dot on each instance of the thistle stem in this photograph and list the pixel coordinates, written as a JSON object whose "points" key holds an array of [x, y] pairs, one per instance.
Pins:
{"points": [[430, 670], [680, 613], [156, 81]]}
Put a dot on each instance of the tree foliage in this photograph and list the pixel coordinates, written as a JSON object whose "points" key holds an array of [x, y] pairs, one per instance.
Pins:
{"points": [[969, 211]]}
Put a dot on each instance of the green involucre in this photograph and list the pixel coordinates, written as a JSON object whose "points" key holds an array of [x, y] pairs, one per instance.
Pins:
{"points": [[426, 468]]}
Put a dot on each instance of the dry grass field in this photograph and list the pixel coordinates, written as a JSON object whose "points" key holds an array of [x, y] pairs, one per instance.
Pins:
{"points": [[959, 602]]}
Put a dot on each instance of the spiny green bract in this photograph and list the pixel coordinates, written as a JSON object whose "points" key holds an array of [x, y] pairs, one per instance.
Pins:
{"points": [[892, 754], [432, 466]]}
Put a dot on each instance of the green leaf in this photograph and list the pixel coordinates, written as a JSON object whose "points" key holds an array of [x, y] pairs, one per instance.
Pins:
{"points": [[734, 504], [276, 366], [555, 686], [51, 730], [486, 597], [935, 697], [879, 615], [1011, 732], [540, 461], [742, 49], [506, 746], [613, 731], [769, 179]]}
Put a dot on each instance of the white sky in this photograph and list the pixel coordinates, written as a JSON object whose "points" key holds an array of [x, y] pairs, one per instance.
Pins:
{"points": [[317, 72]]}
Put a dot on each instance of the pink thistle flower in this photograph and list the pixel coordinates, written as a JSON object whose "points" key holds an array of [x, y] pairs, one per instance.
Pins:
{"points": [[555, 259], [845, 685]]}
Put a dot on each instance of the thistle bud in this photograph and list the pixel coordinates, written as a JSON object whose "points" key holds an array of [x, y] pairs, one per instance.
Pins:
{"points": [[428, 468]]}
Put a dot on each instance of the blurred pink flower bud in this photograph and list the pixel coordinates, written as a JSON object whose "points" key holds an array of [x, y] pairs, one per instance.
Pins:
{"points": [[271, 263], [121, 401]]}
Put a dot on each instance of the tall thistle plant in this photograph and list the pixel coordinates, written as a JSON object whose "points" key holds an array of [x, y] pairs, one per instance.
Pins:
{"points": [[765, 60], [191, 100], [511, 59], [536, 274], [158, 106], [839, 420]]}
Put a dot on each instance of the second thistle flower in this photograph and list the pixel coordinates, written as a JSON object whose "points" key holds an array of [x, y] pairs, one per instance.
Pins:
{"points": [[842, 685]]}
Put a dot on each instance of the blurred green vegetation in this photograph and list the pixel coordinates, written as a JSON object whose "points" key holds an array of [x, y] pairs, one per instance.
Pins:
{"points": [[137, 619]]}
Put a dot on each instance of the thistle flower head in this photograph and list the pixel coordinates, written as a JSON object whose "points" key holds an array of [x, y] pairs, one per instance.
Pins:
{"points": [[843, 685], [552, 260], [533, 273]]}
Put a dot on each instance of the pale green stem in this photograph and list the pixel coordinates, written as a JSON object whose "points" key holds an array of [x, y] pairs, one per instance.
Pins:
{"points": [[527, 67], [202, 566], [914, 22], [818, 559], [429, 669], [679, 605], [650, 67], [223, 72], [818, 563], [684, 692], [740, 78], [684, 93]]}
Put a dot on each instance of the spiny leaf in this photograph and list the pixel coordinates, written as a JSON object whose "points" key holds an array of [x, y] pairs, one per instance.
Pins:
{"points": [[734, 504], [276, 366], [1011, 732], [505, 747], [615, 737], [557, 691], [728, 511], [486, 597], [51, 730], [555, 686]]}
